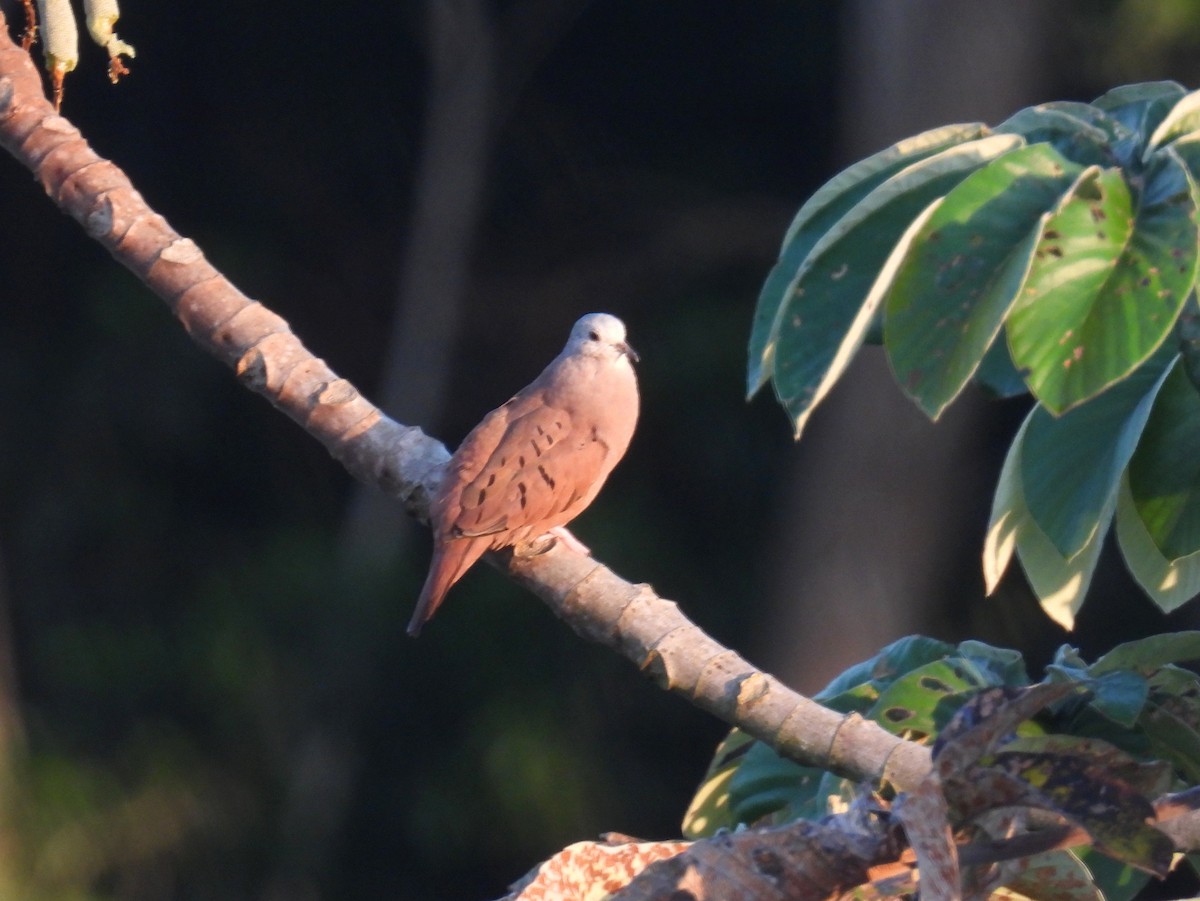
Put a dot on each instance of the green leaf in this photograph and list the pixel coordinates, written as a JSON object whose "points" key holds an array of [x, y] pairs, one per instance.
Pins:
{"points": [[996, 373], [1071, 466], [1187, 332], [1094, 115], [821, 324], [1116, 881], [1183, 119], [1172, 739], [964, 268], [748, 781], [1059, 584], [1175, 691], [1107, 282], [1078, 131], [1148, 654], [921, 703], [1164, 474], [764, 783], [900, 657], [1170, 583], [709, 809], [1120, 697], [1141, 107], [1003, 666], [1187, 149], [820, 213]]}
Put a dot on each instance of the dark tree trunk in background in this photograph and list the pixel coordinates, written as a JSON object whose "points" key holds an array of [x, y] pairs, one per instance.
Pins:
{"points": [[878, 510]]}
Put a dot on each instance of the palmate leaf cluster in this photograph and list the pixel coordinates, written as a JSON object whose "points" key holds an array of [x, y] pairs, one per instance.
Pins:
{"points": [[1132, 725], [1054, 254]]}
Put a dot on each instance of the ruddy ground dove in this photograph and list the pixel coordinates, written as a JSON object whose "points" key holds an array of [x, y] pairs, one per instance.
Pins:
{"points": [[533, 464]]}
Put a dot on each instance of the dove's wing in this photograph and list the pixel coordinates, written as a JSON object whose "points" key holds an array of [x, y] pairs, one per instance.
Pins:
{"points": [[544, 462]]}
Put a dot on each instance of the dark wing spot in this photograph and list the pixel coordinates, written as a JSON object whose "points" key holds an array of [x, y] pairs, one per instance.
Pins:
{"points": [[546, 477], [549, 440], [541, 431], [482, 496], [521, 461], [491, 480], [521, 488], [537, 451]]}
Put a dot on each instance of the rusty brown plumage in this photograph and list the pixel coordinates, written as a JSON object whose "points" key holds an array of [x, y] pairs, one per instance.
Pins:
{"points": [[534, 463]]}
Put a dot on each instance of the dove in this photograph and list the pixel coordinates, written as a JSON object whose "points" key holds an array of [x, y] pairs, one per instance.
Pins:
{"points": [[534, 463]]}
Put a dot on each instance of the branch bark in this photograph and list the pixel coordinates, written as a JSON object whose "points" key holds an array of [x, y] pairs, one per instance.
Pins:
{"points": [[405, 463]]}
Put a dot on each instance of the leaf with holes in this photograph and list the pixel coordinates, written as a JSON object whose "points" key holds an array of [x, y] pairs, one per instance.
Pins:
{"points": [[964, 268], [895, 660], [1107, 282], [924, 700]]}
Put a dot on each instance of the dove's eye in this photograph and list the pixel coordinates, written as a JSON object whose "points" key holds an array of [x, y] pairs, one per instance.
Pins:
{"points": [[594, 335]]}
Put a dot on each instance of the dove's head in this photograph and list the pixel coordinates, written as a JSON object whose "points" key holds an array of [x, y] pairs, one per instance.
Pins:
{"points": [[600, 335]]}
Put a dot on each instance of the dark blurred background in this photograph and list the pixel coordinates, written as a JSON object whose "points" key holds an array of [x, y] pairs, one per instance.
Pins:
{"points": [[205, 691]]}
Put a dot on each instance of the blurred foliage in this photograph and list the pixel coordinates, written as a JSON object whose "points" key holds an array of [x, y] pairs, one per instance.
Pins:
{"points": [[1062, 245], [1128, 731]]}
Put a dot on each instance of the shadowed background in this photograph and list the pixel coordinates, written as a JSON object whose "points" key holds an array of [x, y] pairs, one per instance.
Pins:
{"points": [[206, 691]]}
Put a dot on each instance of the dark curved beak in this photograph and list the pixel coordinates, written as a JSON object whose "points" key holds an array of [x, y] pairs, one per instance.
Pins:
{"points": [[628, 350]]}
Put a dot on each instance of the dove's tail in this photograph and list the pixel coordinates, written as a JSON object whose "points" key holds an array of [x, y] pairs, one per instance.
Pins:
{"points": [[450, 560]]}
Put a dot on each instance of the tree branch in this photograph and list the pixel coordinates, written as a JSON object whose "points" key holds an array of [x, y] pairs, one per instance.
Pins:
{"points": [[401, 460]]}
